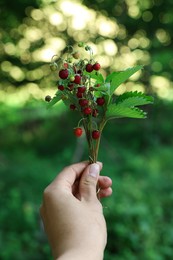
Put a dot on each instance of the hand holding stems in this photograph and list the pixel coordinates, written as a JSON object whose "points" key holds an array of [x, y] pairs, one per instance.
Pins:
{"points": [[72, 214]]}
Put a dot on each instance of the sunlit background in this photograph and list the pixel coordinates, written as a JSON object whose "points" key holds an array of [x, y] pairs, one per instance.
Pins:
{"points": [[36, 143], [133, 32]]}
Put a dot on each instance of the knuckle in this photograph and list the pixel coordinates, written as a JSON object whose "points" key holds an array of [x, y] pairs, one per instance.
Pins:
{"points": [[89, 182]]}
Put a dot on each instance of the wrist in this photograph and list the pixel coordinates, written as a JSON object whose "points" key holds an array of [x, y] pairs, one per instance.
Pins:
{"points": [[96, 254]]}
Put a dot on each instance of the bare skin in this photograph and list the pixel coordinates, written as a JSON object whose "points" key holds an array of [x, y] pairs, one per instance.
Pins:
{"points": [[72, 214]]}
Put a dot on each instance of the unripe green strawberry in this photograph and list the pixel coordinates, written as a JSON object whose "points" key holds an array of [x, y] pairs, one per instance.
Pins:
{"points": [[80, 44], [72, 78], [53, 66], [70, 60]]}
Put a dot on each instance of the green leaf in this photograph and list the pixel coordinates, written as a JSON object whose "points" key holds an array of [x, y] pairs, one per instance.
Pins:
{"points": [[119, 111], [117, 78], [95, 75], [55, 99], [103, 88], [131, 99]]}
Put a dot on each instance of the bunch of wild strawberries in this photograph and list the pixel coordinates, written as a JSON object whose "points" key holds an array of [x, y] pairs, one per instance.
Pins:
{"points": [[79, 91]]}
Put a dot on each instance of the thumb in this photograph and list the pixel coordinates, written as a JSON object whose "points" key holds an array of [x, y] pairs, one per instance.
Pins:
{"points": [[88, 182]]}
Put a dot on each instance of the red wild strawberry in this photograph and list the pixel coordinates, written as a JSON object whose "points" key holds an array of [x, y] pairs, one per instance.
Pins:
{"points": [[78, 131], [95, 134], [72, 107], [79, 95], [96, 66], [89, 67], [77, 79], [87, 111], [81, 89], [61, 87], [65, 65], [83, 102], [100, 101], [63, 74], [79, 71], [71, 86], [97, 85]]}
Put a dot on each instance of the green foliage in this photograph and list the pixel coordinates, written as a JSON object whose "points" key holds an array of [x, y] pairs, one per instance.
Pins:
{"points": [[138, 158], [118, 111], [117, 78], [125, 105]]}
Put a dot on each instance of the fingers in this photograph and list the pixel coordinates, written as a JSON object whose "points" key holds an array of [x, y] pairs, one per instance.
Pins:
{"points": [[69, 175], [103, 193], [81, 179], [104, 184], [88, 182]]}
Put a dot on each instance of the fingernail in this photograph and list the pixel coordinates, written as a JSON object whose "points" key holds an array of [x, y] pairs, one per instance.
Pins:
{"points": [[94, 170]]}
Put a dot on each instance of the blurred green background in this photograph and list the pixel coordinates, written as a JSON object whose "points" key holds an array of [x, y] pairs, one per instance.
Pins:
{"points": [[35, 144]]}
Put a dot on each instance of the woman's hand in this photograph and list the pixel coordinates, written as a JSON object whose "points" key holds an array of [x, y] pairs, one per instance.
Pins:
{"points": [[72, 214]]}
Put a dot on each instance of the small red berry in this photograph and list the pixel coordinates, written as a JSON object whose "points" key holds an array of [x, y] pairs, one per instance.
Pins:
{"points": [[97, 85], [89, 67], [71, 86], [78, 131], [87, 111], [100, 101], [63, 74], [72, 107], [95, 134], [70, 59], [48, 98], [96, 66], [81, 89], [61, 87], [83, 102], [79, 71], [77, 79], [65, 65], [79, 95]]}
